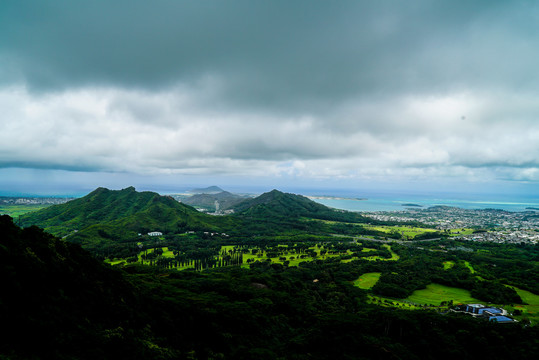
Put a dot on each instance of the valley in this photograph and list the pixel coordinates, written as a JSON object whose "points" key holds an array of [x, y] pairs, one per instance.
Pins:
{"points": [[277, 248]]}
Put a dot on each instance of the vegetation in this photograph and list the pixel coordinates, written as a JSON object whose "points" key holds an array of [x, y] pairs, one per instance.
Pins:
{"points": [[437, 294], [71, 306], [278, 205], [367, 281], [207, 201], [282, 278], [15, 210]]}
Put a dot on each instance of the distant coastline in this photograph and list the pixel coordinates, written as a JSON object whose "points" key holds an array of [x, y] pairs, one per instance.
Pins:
{"points": [[328, 197], [403, 204]]}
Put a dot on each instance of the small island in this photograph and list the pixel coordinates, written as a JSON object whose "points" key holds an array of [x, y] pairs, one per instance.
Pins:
{"points": [[532, 208], [412, 205]]}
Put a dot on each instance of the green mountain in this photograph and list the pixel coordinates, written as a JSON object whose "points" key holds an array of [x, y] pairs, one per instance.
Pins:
{"points": [[113, 222], [278, 205], [105, 216], [207, 190], [207, 201]]}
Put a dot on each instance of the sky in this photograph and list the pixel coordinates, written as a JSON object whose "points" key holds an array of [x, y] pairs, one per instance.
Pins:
{"points": [[166, 95]]}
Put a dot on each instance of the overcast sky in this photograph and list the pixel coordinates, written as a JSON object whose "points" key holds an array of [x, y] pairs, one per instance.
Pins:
{"points": [[398, 94]]}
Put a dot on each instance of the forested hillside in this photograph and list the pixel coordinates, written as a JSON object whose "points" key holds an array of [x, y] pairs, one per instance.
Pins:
{"points": [[276, 204], [67, 305], [114, 221], [110, 218], [132, 209]]}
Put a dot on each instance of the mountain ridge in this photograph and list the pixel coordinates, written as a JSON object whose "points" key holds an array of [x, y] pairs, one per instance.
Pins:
{"points": [[279, 204], [116, 215]]}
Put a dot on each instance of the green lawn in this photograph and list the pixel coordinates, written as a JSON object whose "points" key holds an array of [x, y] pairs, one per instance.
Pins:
{"points": [[436, 293], [116, 261], [448, 264], [406, 231], [285, 254], [15, 210], [293, 258], [368, 280], [394, 256], [467, 264], [387, 302], [166, 253], [531, 309], [460, 232]]}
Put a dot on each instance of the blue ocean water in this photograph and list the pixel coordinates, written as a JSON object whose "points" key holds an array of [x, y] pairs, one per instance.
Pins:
{"points": [[383, 203]]}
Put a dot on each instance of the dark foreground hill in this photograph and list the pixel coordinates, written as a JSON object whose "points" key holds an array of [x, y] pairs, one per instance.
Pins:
{"points": [[57, 302]]}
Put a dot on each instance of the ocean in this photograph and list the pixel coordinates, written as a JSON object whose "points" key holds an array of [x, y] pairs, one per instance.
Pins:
{"points": [[398, 203]]}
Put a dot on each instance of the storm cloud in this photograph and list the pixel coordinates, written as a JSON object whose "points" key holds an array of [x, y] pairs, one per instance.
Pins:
{"points": [[303, 89]]}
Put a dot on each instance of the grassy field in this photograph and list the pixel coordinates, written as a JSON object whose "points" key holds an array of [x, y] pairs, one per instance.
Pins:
{"points": [[116, 261], [284, 254], [448, 264], [459, 232], [387, 302], [467, 264], [394, 256], [531, 309], [435, 293], [367, 281], [406, 231], [15, 210], [293, 258]]}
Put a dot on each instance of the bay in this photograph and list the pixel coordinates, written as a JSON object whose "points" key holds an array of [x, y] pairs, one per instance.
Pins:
{"points": [[404, 203]]}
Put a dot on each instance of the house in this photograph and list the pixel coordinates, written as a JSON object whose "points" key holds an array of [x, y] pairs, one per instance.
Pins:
{"points": [[501, 319], [155, 233], [474, 308], [491, 313]]}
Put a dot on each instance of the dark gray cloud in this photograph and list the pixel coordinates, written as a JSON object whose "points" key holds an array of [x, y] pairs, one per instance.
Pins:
{"points": [[314, 89], [272, 53]]}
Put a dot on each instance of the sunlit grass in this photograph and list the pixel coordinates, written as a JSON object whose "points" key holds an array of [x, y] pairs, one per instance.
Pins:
{"points": [[368, 280], [448, 264], [467, 264], [530, 310], [15, 210], [435, 293]]}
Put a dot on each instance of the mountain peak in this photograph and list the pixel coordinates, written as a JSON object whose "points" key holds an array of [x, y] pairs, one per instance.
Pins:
{"points": [[278, 203], [208, 190]]}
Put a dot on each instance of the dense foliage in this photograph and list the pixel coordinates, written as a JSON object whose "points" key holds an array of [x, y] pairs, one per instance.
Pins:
{"points": [[59, 302], [111, 223], [276, 205]]}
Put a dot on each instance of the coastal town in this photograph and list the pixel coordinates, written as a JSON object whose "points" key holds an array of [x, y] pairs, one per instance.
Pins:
{"points": [[490, 225], [11, 200]]}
